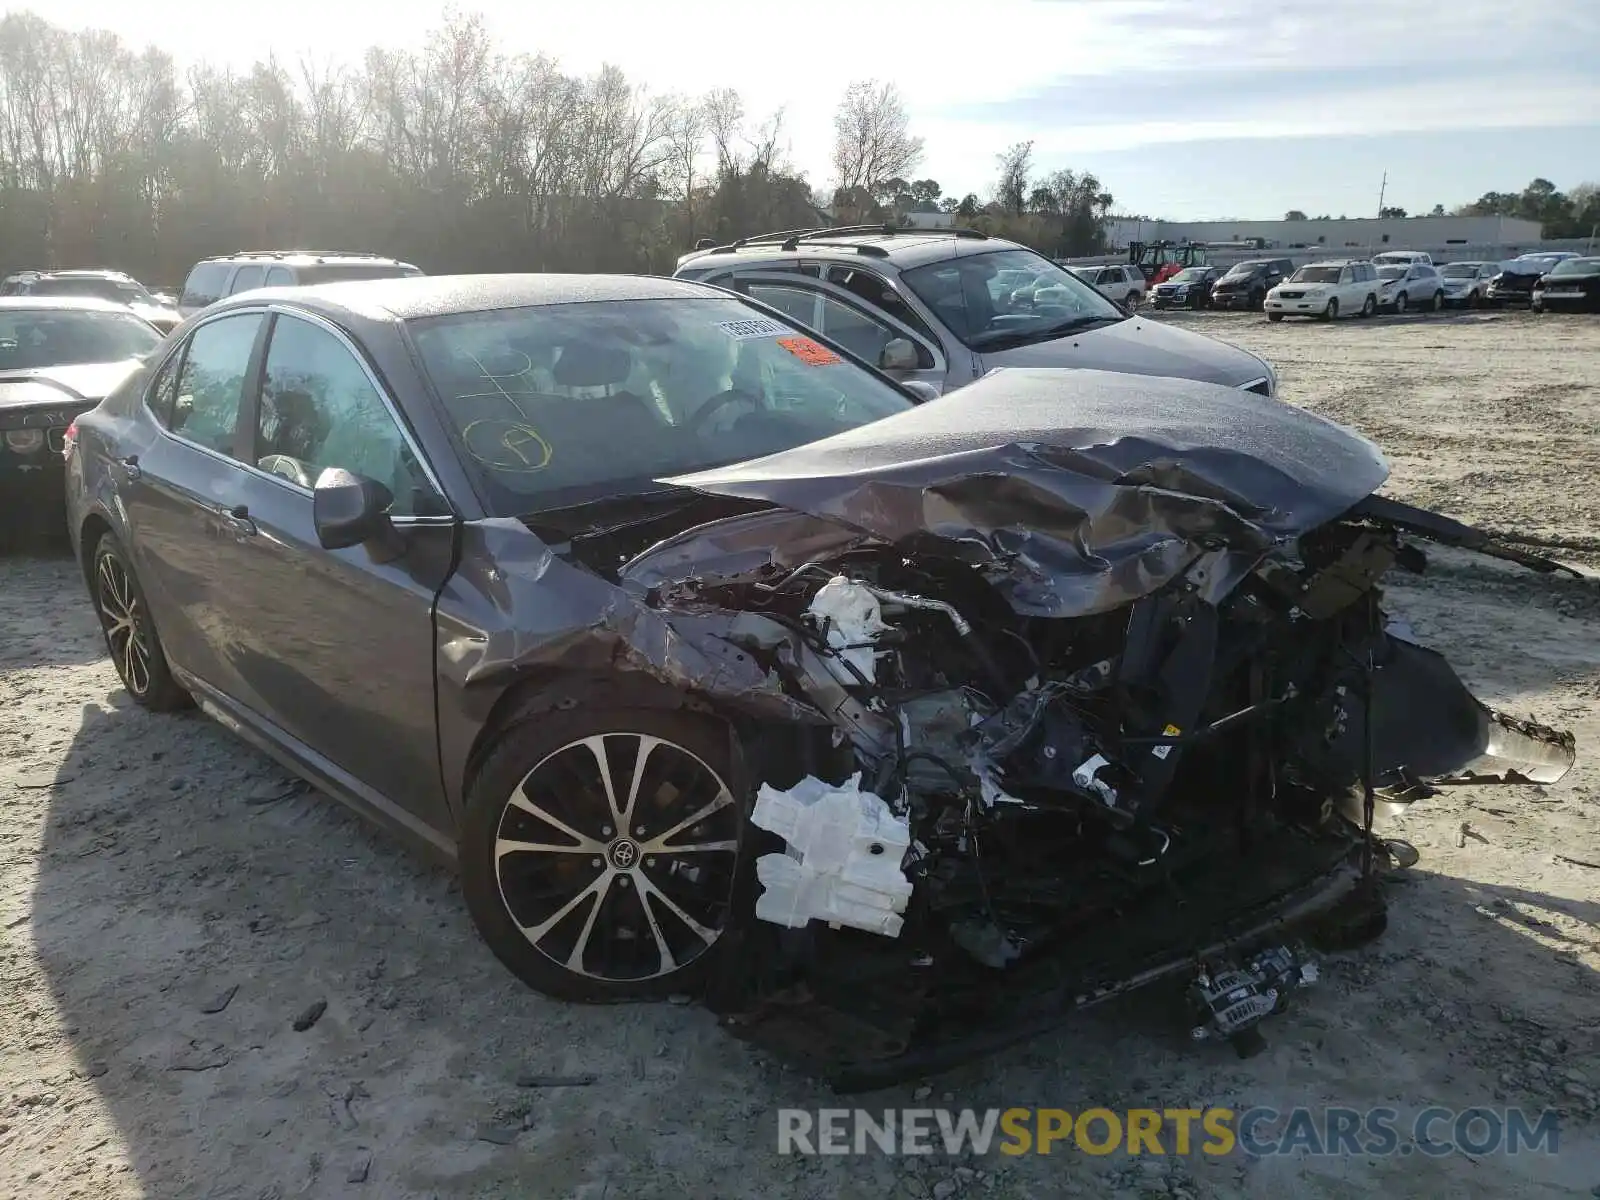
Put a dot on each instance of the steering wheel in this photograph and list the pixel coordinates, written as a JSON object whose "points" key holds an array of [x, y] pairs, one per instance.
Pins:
{"points": [[288, 468], [718, 402]]}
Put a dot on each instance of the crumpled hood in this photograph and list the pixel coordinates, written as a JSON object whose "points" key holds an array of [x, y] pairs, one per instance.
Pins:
{"points": [[91, 382], [1076, 491], [1139, 347]]}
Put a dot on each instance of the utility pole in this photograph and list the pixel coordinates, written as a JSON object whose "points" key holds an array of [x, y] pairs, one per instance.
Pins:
{"points": [[1382, 188]]}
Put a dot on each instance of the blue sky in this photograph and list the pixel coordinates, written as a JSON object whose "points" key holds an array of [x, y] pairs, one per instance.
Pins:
{"points": [[1183, 108]]}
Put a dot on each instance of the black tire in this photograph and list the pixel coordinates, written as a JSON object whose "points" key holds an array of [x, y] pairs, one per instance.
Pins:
{"points": [[130, 632], [1274, 317], [1536, 308], [1132, 302], [1331, 313], [1369, 306], [1474, 299], [1400, 304], [1438, 301], [653, 926], [1258, 300]]}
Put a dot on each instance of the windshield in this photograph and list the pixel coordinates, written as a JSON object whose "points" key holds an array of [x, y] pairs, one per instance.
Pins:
{"points": [[1461, 270], [1577, 266], [340, 272], [1240, 270], [558, 405], [975, 297], [1316, 275], [122, 291], [33, 338], [1190, 275], [1391, 272]]}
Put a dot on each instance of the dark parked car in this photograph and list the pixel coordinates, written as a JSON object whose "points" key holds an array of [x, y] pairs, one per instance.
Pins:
{"points": [[1571, 286], [1514, 284], [58, 358], [1189, 288], [715, 663], [1246, 284]]}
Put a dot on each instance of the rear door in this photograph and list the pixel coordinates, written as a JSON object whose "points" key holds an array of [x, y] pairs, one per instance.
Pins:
{"points": [[335, 648], [844, 318], [178, 467]]}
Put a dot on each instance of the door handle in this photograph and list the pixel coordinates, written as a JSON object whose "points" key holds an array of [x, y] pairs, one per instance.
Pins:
{"points": [[238, 521], [131, 466]]}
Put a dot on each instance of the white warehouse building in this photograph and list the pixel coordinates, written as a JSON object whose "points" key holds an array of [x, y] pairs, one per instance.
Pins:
{"points": [[1450, 236]]}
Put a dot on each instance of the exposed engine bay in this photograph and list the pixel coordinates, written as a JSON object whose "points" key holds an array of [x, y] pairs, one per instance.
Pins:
{"points": [[1080, 710]]}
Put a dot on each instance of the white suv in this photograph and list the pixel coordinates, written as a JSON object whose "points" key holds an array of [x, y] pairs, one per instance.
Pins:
{"points": [[1125, 285], [1326, 290]]}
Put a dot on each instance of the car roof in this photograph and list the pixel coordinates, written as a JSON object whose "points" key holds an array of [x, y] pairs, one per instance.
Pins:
{"points": [[904, 248], [416, 297], [306, 258], [65, 303], [86, 273]]}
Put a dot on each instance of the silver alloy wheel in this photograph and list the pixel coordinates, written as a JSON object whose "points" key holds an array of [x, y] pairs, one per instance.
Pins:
{"points": [[614, 856], [124, 625]]}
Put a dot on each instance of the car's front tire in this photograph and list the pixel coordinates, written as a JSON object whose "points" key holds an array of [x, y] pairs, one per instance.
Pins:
{"points": [[130, 631], [1401, 303], [1274, 317], [1331, 313], [598, 851], [1369, 306]]}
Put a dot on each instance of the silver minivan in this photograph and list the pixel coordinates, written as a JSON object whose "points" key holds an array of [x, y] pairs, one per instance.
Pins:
{"points": [[939, 308]]}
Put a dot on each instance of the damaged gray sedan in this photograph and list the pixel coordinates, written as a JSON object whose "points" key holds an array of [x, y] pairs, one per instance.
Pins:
{"points": [[717, 664]]}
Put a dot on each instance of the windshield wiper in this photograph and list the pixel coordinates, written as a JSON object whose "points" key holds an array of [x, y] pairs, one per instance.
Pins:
{"points": [[1008, 339]]}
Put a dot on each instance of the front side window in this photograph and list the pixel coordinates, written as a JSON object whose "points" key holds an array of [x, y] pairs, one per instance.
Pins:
{"points": [[211, 383], [988, 310], [561, 404], [60, 337], [319, 409]]}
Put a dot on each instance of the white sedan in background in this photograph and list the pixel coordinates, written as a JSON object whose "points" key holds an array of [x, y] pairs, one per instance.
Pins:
{"points": [[1126, 284], [1326, 290]]}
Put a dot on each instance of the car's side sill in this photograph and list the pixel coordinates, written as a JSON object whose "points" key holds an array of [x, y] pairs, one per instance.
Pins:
{"points": [[295, 756]]}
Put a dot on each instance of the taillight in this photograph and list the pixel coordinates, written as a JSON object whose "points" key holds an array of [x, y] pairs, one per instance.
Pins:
{"points": [[69, 439]]}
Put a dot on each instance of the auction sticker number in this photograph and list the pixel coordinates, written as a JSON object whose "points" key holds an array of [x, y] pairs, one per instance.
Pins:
{"points": [[507, 445], [752, 327], [813, 354]]}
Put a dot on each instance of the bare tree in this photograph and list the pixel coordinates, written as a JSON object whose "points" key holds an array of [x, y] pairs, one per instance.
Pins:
{"points": [[1016, 165], [872, 137]]}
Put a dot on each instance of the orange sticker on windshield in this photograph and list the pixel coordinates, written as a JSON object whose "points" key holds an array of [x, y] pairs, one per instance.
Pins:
{"points": [[813, 354]]}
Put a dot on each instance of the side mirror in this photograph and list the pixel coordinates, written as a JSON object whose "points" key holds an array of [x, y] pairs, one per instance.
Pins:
{"points": [[898, 354], [921, 389], [352, 510]]}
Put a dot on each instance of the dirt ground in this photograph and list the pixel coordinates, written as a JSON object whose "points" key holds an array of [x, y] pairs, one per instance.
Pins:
{"points": [[170, 904]]}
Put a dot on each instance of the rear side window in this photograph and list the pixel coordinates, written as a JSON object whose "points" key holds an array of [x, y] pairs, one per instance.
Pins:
{"points": [[212, 381], [280, 277], [205, 283]]}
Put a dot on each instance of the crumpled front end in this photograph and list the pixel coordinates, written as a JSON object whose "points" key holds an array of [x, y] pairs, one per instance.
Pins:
{"points": [[1050, 714]]}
